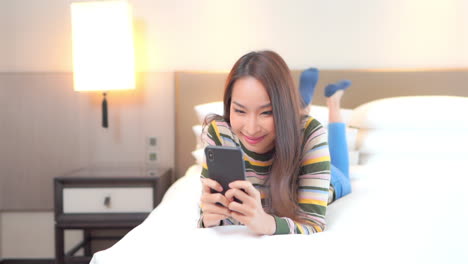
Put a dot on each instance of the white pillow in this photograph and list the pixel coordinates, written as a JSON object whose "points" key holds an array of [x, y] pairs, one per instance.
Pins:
{"points": [[413, 112], [353, 157], [203, 110], [197, 131], [321, 114], [421, 159], [351, 137], [199, 155], [401, 141]]}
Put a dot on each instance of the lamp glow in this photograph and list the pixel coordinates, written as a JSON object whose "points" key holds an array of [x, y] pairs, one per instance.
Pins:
{"points": [[103, 53]]}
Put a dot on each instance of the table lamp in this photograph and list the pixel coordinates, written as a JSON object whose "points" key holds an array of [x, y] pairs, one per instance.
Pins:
{"points": [[103, 53]]}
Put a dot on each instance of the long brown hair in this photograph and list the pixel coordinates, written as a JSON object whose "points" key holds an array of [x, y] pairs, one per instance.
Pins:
{"points": [[271, 70]]}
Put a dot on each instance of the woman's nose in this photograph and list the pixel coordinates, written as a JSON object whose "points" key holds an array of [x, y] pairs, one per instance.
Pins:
{"points": [[252, 126]]}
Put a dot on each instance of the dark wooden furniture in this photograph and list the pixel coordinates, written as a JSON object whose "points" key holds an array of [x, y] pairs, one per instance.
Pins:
{"points": [[104, 198]]}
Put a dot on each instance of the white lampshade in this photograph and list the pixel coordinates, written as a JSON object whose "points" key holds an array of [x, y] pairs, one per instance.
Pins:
{"points": [[103, 53]]}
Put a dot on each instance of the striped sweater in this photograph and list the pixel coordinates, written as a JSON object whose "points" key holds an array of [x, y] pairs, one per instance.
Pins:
{"points": [[314, 178]]}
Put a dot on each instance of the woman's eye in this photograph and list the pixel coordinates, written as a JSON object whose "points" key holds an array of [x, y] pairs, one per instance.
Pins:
{"points": [[267, 113], [239, 111]]}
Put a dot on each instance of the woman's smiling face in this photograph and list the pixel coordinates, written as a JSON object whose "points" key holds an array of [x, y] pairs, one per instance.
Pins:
{"points": [[252, 115]]}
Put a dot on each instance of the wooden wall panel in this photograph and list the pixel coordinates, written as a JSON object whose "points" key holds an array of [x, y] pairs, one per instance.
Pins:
{"points": [[39, 137]]}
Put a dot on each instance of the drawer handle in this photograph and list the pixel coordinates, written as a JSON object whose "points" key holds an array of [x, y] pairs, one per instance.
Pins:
{"points": [[107, 201]]}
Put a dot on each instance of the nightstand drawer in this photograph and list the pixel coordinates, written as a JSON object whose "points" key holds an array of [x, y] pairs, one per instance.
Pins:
{"points": [[108, 200]]}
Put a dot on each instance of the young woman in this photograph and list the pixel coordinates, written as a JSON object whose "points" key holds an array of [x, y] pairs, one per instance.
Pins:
{"points": [[286, 154]]}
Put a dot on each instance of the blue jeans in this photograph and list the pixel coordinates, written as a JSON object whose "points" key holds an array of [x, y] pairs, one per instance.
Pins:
{"points": [[339, 159]]}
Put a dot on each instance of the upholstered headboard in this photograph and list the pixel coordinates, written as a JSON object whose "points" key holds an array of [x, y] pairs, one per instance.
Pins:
{"points": [[193, 88]]}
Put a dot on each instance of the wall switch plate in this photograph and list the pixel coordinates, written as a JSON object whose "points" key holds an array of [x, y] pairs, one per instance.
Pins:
{"points": [[151, 172], [152, 141], [152, 156]]}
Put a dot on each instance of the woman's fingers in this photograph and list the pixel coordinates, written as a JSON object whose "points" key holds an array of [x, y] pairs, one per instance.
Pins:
{"points": [[247, 205], [210, 220], [209, 184], [247, 187], [213, 198], [239, 194], [212, 212], [216, 209], [245, 220]]}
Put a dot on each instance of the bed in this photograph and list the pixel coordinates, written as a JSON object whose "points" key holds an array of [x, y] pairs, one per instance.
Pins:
{"points": [[409, 202]]}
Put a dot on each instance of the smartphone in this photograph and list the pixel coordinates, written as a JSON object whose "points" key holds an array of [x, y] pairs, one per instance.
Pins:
{"points": [[225, 165]]}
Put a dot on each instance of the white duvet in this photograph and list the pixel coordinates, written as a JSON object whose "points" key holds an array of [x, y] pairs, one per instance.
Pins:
{"points": [[398, 212]]}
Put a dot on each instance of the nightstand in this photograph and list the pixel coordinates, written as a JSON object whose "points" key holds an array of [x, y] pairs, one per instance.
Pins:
{"points": [[104, 198]]}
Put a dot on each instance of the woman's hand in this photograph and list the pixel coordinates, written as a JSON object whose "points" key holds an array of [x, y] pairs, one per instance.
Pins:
{"points": [[212, 212], [250, 212]]}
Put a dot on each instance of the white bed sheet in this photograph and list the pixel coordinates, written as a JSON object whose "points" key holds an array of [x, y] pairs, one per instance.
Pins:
{"points": [[399, 212]]}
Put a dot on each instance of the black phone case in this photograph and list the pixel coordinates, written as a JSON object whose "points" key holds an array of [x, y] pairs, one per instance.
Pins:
{"points": [[225, 165]]}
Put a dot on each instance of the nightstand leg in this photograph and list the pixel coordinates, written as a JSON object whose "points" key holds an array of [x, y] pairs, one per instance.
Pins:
{"points": [[87, 245], [59, 246]]}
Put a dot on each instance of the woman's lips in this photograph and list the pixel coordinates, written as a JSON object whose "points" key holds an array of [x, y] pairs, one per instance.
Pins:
{"points": [[253, 140]]}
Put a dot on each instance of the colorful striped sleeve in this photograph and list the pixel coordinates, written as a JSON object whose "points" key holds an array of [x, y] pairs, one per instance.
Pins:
{"points": [[314, 183]]}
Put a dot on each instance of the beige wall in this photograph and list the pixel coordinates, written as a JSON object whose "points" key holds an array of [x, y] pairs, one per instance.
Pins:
{"points": [[211, 35], [32, 154], [3, 139]]}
